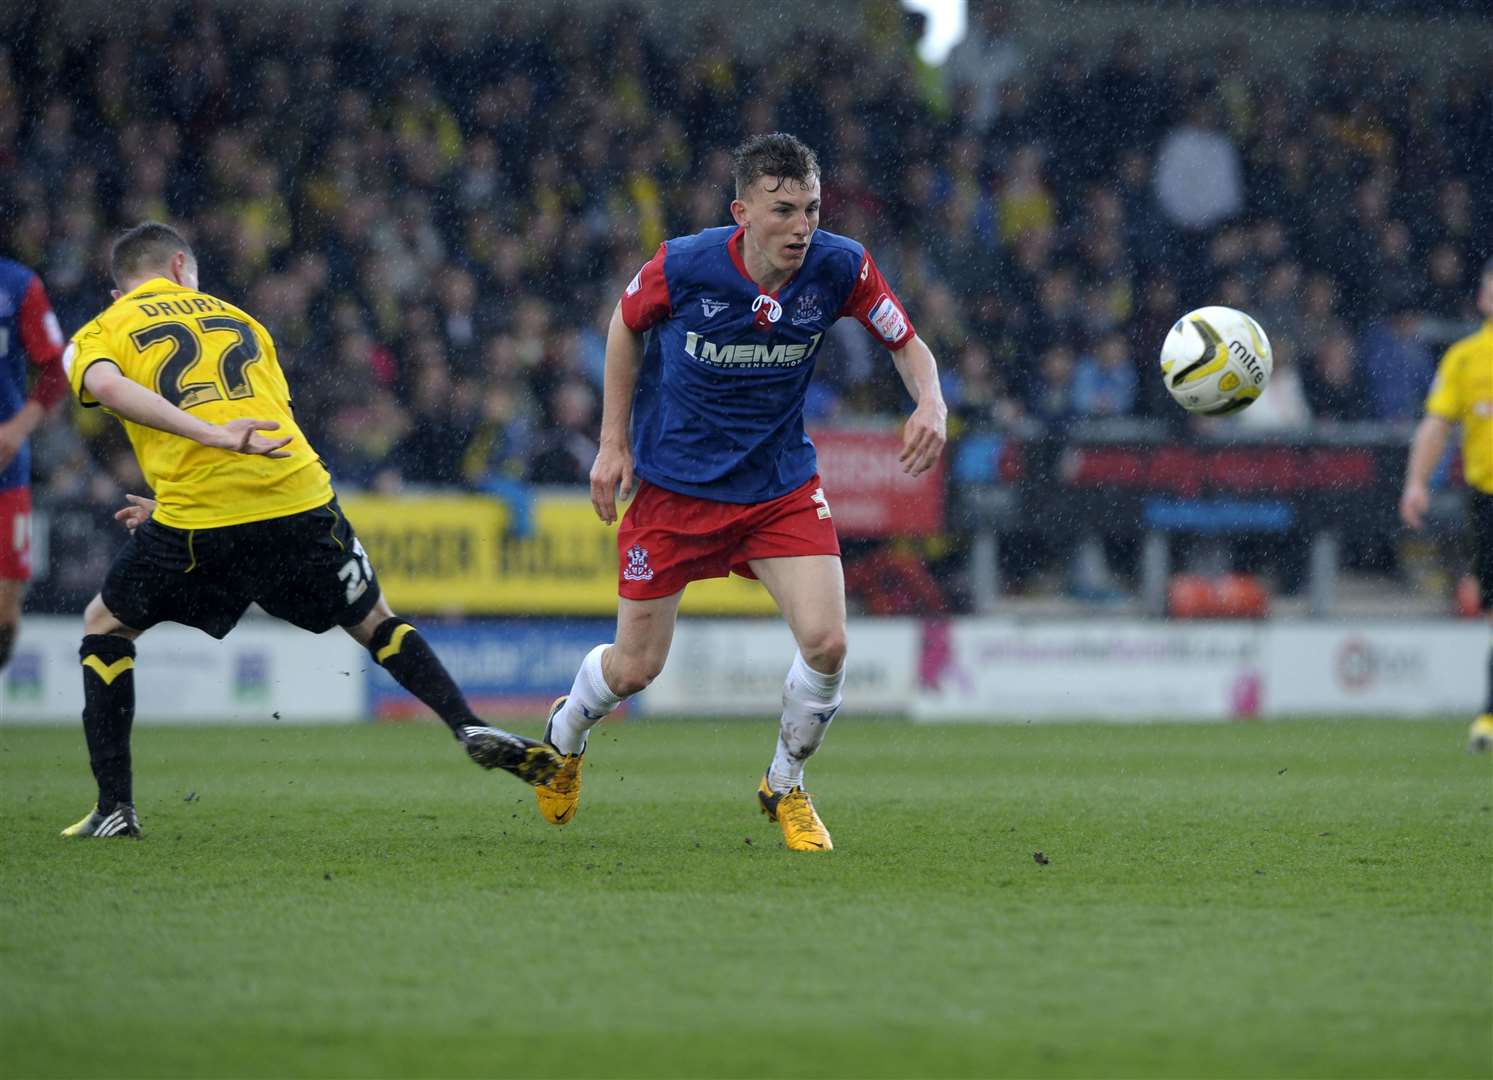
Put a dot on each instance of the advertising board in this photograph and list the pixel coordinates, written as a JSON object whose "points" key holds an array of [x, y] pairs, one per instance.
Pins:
{"points": [[264, 672]]}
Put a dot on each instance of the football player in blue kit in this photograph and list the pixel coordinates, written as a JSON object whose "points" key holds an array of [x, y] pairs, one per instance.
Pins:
{"points": [[705, 422]]}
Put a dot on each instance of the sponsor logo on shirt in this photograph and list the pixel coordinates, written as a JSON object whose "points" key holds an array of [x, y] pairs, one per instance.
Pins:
{"points": [[712, 308], [637, 568], [888, 319], [807, 310], [749, 355], [635, 284]]}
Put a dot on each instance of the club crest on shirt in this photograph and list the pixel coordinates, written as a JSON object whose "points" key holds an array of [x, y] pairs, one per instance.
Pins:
{"points": [[712, 308], [807, 310], [637, 568], [887, 319]]}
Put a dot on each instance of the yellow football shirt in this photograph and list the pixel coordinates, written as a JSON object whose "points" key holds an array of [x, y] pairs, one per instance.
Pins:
{"points": [[213, 360], [1463, 394]]}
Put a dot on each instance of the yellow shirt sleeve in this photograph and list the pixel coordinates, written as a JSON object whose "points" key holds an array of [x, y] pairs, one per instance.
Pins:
{"points": [[88, 346], [1447, 398]]}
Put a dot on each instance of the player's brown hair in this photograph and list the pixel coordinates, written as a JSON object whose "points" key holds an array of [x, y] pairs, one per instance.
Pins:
{"points": [[147, 246], [777, 154]]}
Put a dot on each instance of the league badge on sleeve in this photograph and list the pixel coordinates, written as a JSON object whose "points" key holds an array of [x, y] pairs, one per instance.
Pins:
{"points": [[635, 284], [888, 319]]}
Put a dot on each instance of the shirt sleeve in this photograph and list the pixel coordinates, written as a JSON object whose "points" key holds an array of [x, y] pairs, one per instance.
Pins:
{"points": [[1445, 398], [645, 302], [877, 307], [41, 337], [88, 347]]}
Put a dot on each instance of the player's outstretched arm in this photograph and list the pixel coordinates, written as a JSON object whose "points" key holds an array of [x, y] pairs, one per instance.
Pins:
{"points": [[143, 406], [926, 430], [1425, 451], [612, 471]]}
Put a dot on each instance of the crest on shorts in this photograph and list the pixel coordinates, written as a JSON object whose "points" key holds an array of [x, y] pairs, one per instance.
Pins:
{"points": [[637, 568]]}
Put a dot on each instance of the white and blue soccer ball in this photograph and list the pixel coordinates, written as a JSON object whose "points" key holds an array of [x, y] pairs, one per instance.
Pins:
{"points": [[1216, 361]]}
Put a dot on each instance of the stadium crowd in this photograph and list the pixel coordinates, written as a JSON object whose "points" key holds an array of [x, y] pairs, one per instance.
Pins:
{"points": [[434, 213]]}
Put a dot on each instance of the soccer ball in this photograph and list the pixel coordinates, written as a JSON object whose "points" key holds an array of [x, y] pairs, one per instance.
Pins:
{"points": [[1216, 361]]}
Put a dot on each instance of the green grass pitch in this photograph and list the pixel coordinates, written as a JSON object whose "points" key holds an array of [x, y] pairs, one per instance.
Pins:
{"points": [[1291, 899]]}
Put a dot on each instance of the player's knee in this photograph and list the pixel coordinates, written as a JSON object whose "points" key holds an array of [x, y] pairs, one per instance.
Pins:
{"points": [[825, 650], [629, 675], [98, 619]]}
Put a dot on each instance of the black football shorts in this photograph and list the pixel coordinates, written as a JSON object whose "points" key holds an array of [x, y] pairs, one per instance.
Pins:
{"points": [[308, 569]]}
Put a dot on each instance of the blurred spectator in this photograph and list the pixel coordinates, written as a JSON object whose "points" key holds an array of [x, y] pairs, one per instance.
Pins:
{"points": [[1199, 176], [1396, 366], [1052, 397], [564, 453], [1104, 380], [979, 67], [1334, 389]]}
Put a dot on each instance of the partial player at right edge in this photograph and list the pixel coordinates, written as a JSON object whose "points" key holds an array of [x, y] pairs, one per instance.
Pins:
{"points": [[1463, 394]]}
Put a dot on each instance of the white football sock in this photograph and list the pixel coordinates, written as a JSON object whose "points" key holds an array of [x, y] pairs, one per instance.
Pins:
{"points": [[590, 699], [810, 701]]}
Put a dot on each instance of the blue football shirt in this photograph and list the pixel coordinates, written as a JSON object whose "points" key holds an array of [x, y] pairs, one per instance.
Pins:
{"points": [[718, 410]]}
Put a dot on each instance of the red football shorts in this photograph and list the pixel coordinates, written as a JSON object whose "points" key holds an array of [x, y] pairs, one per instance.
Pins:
{"points": [[668, 540], [15, 534]]}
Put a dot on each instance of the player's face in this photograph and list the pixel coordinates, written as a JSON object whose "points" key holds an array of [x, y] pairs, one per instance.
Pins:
{"points": [[780, 216]]}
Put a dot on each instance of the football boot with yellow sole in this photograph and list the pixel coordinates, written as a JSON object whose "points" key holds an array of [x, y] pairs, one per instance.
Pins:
{"points": [[121, 821], [1480, 734], [560, 795], [794, 811]]}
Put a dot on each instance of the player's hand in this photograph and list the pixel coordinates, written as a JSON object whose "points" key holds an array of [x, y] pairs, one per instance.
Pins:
{"points": [[611, 474], [242, 437], [137, 513], [923, 437], [1414, 503]]}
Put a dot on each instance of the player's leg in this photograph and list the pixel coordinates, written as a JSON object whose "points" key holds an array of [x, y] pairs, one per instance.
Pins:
{"points": [[1480, 734], [310, 569], [1480, 508], [15, 564], [609, 675], [810, 592], [12, 593], [160, 575], [108, 658], [399, 649], [614, 672]]}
